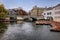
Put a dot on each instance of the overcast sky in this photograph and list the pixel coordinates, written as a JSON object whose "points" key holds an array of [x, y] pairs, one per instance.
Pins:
{"points": [[28, 4]]}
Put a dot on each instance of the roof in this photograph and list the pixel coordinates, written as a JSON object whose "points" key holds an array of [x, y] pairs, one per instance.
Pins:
{"points": [[56, 6], [50, 8]]}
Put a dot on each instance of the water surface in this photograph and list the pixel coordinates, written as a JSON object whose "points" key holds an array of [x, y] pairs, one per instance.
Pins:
{"points": [[28, 31]]}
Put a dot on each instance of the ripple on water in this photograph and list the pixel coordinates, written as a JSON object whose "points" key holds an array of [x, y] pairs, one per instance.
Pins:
{"points": [[29, 31]]}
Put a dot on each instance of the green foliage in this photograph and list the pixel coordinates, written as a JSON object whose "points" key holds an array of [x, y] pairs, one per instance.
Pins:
{"points": [[3, 12]]}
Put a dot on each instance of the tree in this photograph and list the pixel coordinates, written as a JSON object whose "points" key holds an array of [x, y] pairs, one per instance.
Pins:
{"points": [[3, 12]]}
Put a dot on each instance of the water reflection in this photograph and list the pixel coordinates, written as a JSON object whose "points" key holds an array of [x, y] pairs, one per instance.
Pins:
{"points": [[3, 28], [29, 31]]}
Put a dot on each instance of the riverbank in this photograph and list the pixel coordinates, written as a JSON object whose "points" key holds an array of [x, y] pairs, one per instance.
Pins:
{"points": [[55, 25]]}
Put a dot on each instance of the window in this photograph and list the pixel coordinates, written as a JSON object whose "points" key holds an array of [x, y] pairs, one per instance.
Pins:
{"points": [[50, 18], [49, 13], [44, 13], [58, 12], [57, 17]]}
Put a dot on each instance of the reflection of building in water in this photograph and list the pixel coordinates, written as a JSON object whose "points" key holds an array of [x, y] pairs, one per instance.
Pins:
{"points": [[3, 28]]}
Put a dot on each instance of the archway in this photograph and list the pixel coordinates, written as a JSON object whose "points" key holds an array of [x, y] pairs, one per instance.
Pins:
{"points": [[50, 18]]}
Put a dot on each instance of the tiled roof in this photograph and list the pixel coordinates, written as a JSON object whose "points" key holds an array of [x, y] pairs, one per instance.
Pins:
{"points": [[56, 6], [50, 8]]}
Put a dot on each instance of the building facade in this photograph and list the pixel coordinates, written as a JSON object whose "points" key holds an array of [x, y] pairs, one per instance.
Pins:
{"points": [[56, 13], [47, 14], [36, 11], [20, 12], [12, 14], [53, 13]]}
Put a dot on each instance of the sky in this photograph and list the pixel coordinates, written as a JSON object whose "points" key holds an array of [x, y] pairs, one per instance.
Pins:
{"points": [[28, 4]]}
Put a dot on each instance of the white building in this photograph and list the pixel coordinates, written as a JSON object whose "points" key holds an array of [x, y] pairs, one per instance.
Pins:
{"points": [[47, 14], [56, 13]]}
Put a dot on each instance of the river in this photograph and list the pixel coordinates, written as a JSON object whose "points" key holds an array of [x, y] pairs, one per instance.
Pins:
{"points": [[27, 31]]}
